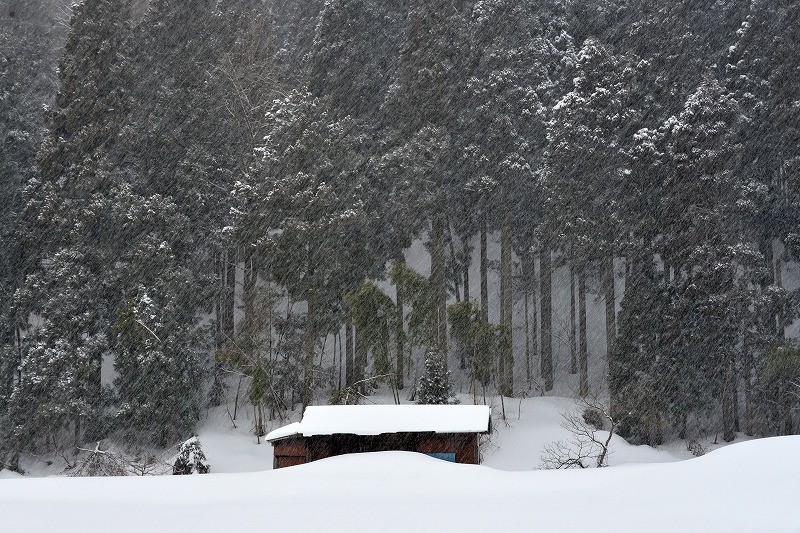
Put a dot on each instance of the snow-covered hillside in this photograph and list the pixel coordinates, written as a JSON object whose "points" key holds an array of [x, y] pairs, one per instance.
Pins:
{"points": [[516, 443], [749, 486]]}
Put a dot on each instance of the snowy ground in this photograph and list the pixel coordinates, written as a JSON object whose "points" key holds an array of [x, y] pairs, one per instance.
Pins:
{"points": [[748, 486], [515, 444]]}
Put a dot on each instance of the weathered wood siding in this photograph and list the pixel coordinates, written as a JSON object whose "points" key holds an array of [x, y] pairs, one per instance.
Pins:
{"points": [[464, 445], [300, 450], [289, 452]]}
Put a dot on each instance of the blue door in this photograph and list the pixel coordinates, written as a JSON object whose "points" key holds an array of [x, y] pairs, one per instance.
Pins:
{"points": [[444, 456]]}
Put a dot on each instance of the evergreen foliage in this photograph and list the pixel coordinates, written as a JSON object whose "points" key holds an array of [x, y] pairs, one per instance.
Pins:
{"points": [[256, 165], [434, 385], [372, 313], [191, 459]]}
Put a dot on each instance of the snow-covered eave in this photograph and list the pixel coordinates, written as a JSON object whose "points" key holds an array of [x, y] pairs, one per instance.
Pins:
{"points": [[371, 420], [292, 430]]}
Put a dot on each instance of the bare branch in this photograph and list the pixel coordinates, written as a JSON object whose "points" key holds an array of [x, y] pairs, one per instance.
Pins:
{"points": [[588, 445]]}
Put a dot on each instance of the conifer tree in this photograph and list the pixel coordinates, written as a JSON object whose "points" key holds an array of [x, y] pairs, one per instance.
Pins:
{"points": [[66, 219], [191, 459], [580, 194], [157, 341], [434, 385], [301, 210], [31, 35]]}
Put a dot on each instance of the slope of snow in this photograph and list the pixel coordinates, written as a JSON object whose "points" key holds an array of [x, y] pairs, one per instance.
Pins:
{"points": [[745, 487], [516, 443], [531, 424]]}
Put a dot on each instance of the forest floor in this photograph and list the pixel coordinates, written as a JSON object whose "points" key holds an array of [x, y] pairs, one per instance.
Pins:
{"points": [[749, 486]]}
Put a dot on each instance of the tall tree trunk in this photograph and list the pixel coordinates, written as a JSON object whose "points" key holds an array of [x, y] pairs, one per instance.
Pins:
{"points": [[467, 262], [583, 352], [308, 366], [526, 279], [484, 269], [611, 320], [779, 319], [438, 266], [77, 435], [350, 366], [785, 399], [249, 289], [611, 316], [8, 364], [18, 334], [454, 259], [223, 308], [91, 422], [220, 273], [359, 370], [400, 335], [573, 358], [747, 369], [534, 317], [337, 363], [728, 392], [506, 307], [228, 293], [545, 280]]}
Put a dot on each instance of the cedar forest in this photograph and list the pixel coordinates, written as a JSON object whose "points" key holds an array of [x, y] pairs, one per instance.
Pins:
{"points": [[150, 151]]}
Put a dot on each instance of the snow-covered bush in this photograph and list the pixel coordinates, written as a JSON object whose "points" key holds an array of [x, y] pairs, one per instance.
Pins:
{"points": [[98, 463], [191, 459]]}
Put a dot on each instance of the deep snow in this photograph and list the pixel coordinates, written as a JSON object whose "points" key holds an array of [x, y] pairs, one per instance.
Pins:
{"points": [[749, 486]]}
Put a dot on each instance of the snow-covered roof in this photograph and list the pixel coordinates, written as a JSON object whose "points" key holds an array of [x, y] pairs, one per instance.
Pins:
{"points": [[379, 419], [285, 431]]}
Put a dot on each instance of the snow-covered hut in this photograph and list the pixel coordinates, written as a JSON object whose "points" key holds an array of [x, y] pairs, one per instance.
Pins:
{"points": [[449, 432]]}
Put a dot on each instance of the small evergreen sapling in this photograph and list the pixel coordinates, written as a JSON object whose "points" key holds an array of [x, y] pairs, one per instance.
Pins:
{"points": [[434, 385], [191, 459]]}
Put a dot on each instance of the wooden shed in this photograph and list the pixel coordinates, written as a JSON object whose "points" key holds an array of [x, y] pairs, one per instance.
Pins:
{"points": [[449, 432]]}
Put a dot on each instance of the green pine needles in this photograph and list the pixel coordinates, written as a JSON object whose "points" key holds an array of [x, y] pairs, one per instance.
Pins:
{"points": [[434, 385]]}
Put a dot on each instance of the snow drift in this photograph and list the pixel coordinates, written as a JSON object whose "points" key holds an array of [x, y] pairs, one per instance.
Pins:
{"points": [[751, 486]]}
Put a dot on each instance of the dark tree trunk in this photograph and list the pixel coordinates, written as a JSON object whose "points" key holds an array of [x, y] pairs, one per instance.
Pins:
{"points": [[467, 262], [250, 276], [611, 316], [359, 371], [747, 370], [484, 270], [545, 280], [400, 335], [583, 352], [780, 330], [438, 281], [350, 366], [611, 319], [94, 399], [228, 294], [728, 392], [737, 427], [506, 319], [310, 341], [454, 258], [786, 410], [526, 283], [573, 359], [77, 436], [534, 317]]}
